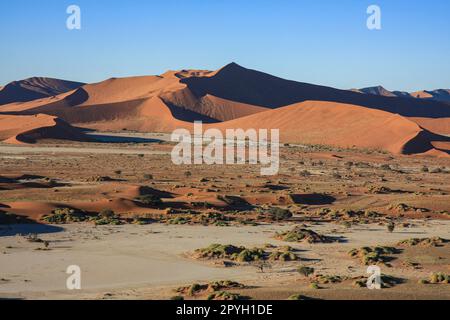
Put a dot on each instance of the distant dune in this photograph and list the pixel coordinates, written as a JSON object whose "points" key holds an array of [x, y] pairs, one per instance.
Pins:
{"points": [[35, 88], [236, 83], [440, 95], [343, 125], [236, 96]]}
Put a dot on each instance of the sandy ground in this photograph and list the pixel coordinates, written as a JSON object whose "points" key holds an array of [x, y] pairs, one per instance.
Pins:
{"points": [[148, 261]]}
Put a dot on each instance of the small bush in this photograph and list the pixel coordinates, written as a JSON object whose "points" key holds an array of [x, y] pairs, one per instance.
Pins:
{"points": [[390, 227], [149, 200], [373, 255], [299, 234], [225, 296], [305, 271], [65, 215]]}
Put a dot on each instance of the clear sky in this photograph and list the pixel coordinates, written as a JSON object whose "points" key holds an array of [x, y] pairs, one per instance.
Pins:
{"points": [[318, 41]]}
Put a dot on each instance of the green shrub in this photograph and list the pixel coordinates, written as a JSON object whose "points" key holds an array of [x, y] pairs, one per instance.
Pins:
{"points": [[149, 200], [226, 296], [305, 271], [241, 254], [299, 234], [65, 215]]}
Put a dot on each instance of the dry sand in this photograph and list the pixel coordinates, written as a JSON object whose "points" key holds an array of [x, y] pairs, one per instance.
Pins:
{"points": [[138, 262]]}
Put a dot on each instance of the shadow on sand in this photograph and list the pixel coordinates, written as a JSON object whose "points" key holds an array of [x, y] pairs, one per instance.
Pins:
{"points": [[121, 139], [29, 228]]}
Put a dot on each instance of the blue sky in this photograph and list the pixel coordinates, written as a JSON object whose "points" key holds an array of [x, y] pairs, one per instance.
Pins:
{"points": [[318, 41]]}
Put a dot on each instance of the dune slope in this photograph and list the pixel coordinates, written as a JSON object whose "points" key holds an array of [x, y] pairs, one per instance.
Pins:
{"points": [[239, 84], [35, 88], [29, 129], [343, 125]]}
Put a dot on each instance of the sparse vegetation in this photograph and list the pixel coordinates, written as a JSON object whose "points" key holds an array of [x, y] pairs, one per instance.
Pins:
{"points": [[275, 214], [66, 215], [305, 271], [149, 200], [299, 234], [424, 242], [373, 255], [225, 296], [437, 278], [239, 254], [390, 226]]}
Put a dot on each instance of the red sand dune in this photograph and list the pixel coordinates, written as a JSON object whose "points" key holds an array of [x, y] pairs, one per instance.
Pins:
{"points": [[343, 125], [239, 84], [29, 129], [35, 88], [438, 125], [134, 104], [242, 97]]}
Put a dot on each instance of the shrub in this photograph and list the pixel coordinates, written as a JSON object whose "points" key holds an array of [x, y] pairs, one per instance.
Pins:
{"points": [[188, 174], [65, 215], [299, 234], [439, 278], [373, 255], [391, 226], [149, 200], [107, 213], [275, 214], [283, 254], [298, 297], [326, 279], [305, 271], [105, 217], [424, 242], [226, 296], [241, 254], [425, 169], [314, 286]]}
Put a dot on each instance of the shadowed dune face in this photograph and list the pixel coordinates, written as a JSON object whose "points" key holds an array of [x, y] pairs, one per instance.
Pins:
{"points": [[236, 83], [35, 88]]}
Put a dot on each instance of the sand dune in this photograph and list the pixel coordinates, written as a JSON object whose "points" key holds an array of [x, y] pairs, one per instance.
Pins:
{"points": [[35, 88], [239, 84], [441, 95], [239, 97], [343, 125], [29, 129], [378, 90], [438, 125]]}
